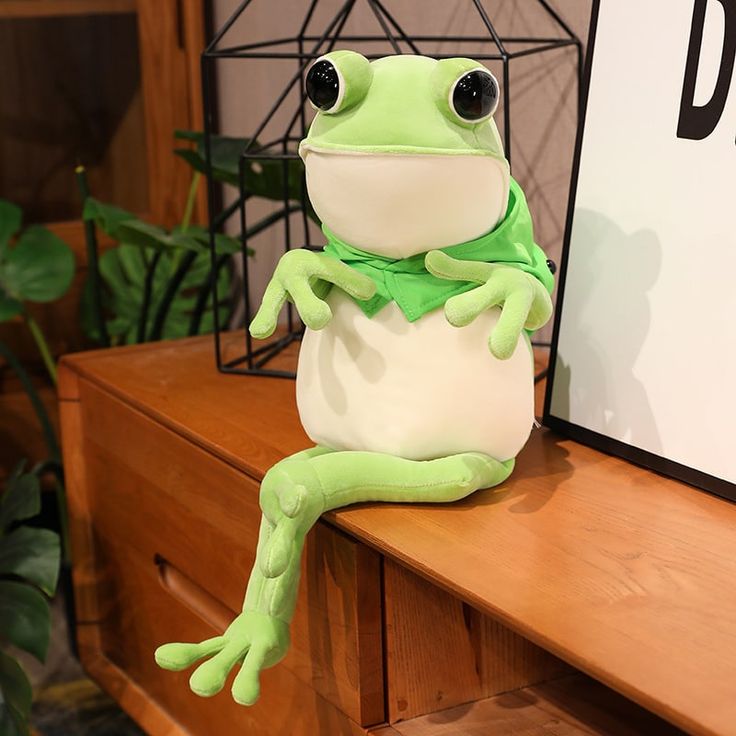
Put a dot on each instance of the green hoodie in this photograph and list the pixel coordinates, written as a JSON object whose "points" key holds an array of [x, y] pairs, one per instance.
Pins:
{"points": [[407, 282]]}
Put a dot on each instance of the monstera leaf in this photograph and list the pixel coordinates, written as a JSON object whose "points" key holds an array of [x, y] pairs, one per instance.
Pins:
{"points": [[137, 274], [127, 229], [11, 217], [124, 270], [15, 703], [39, 267], [263, 177], [29, 567]]}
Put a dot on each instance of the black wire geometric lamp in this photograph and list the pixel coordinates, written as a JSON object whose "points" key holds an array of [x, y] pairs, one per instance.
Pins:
{"points": [[318, 34]]}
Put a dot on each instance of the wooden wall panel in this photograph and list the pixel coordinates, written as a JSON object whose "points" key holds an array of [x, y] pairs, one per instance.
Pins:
{"points": [[169, 42]]}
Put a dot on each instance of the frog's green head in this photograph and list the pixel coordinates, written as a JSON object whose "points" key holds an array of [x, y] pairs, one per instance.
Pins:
{"points": [[403, 155]]}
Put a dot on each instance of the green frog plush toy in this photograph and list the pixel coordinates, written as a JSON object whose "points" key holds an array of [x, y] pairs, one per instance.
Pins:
{"points": [[415, 376]]}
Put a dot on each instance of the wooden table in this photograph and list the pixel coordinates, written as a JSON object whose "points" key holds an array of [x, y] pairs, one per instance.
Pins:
{"points": [[585, 596]]}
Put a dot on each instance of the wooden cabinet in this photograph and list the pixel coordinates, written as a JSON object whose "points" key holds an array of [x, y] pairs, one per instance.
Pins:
{"points": [[586, 596]]}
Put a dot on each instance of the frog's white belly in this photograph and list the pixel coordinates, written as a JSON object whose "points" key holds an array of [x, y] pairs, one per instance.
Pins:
{"points": [[418, 390]]}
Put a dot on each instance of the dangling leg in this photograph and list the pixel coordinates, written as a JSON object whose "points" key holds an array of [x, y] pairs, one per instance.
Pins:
{"points": [[294, 493], [259, 637]]}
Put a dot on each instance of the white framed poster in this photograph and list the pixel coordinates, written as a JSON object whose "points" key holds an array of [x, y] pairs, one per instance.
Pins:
{"points": [[643, 360]]}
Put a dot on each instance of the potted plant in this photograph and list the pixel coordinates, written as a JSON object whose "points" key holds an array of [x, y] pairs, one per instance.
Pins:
{"points": [[29, 568]]}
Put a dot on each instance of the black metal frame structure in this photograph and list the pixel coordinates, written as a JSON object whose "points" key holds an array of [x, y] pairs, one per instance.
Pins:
{"points": [[651, 461], [303, 49]]}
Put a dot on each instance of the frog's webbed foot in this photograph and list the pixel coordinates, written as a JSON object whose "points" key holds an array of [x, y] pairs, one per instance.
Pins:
{"points": [[254, 640], [293, 495]]}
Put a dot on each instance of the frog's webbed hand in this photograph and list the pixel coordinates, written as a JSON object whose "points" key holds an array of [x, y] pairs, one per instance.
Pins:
{"points": [[301, 276], [524, 302], [254, 640]]}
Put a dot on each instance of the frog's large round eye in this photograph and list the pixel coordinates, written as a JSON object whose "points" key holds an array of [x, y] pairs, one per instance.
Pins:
{"points": [[474, 97], [324, 88], [337, 81]]}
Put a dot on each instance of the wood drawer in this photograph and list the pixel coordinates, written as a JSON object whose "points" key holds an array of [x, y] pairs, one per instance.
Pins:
{"points": [[167, 535]]}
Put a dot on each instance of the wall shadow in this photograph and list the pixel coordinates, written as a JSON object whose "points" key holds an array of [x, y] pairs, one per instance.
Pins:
{"points": [[607, 299]]}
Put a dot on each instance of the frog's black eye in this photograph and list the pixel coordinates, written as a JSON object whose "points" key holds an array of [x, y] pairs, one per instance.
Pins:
{"points": [[474, 97], [324, 85]]}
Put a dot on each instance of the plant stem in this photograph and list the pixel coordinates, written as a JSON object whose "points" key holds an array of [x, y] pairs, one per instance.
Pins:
{"points": [[93, 268], [208, 285], [147, 291], [223, 217], [42, 344], [172, 287], [55, 468], [177, 254], [191, 198], [205, 291], [38, 407]]}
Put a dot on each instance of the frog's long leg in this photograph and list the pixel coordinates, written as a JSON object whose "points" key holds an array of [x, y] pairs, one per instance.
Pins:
{"points": [[293, 495], [296, 491]]}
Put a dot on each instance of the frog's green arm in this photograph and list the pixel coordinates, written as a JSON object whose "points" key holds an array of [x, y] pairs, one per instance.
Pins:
{"points": [[524, 302], [300, 276]]}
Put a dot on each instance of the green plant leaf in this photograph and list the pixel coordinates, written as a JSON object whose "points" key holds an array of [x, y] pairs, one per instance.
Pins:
{"points": [[21, 499], [144, 235], [224, 244], [227, 245], [39, 268], [11, 217], [186, 239], [123, 272], [9, 308], [15, 703], [225, 153], [88, 313], [128, 229], [193, 159], [263, 177], [107, 217], [111, 268], [32, 554], [24, 618], [19, 469], [187, 135]]}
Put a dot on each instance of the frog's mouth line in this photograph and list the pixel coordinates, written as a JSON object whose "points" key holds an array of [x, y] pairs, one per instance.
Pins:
{"points": [[306, 147]]}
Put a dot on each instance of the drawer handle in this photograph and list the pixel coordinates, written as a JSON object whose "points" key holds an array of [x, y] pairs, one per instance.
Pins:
{"points": [[193, 596]]}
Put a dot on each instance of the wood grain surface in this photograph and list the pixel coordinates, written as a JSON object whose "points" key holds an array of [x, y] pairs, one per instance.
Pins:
{"points": [[626, 575], [56, 8], [171, 38], [163, 541], [440, 652], [573, 706]]}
